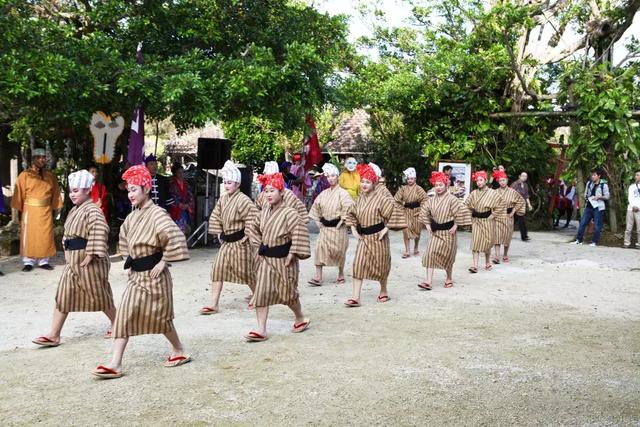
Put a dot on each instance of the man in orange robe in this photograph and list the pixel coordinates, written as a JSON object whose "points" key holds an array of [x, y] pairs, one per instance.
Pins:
{"points": [[36, 196]]}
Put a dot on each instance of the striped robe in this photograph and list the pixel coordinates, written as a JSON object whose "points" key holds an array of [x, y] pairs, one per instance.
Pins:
{"points": [[398, 220], [482, 229], [504, 223], [234, 262], [147, 303], [333, 242], [442, 247], [411, 194], [288, 199], [275, 282], [373, 256], [86, 288]]}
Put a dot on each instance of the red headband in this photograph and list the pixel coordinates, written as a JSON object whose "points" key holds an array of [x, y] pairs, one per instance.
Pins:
{"points": [[275, 180], [439, 177], [498, 175], [366, 172], [137, 175], [297, 157], [479, 174]]}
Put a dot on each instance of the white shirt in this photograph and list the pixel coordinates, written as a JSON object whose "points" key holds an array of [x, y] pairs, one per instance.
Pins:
{"points": [[634, 196]]}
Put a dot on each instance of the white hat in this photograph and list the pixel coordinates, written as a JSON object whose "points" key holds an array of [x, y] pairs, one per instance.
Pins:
{"points": [[230, 172], [38, 152], [376, 169], [271, 168], [330, 169], [81, 179], [410, 173]]}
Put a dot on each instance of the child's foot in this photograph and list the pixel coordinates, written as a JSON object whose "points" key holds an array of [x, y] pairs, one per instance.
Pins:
{"points": [[254, 336], [207, 310], [340, 280], [177, 358], [108, 372], [301, 325]]}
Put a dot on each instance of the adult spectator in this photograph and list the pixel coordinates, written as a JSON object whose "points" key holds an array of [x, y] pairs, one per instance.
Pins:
{"points": [[448, 169], [633, 212], [522, 187], [350, 178], [182, 209], [159, 183], [596, 194], [99, 192], [37, 197]]}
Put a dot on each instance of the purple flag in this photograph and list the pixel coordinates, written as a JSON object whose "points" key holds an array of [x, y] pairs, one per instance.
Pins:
{"points": [[135, 153]]}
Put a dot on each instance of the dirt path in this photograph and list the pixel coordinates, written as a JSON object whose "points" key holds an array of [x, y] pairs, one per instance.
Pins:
{"points": [[552, 338]]}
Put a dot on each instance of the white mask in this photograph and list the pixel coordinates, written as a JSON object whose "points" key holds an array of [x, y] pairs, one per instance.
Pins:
{"points": [[350, 164]]}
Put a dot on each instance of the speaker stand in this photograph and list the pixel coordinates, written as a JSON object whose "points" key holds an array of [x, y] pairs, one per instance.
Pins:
{"points": [[203, 228]]}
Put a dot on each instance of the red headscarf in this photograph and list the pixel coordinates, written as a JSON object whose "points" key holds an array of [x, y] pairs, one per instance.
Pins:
{"points": [[297, 157], [275, 180], [439, 177], [137, 175], [498, 175], [479, 174], [366, 172]]}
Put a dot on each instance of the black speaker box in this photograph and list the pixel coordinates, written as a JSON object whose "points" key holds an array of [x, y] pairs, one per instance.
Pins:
{"points": [[213, 152]]}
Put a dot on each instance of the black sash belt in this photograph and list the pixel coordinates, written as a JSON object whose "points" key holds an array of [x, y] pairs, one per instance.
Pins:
{"points": [[233, 237], [412, 205], [477, 214], [274, 251], [75, 244], [145, 263], [509, 210], [435, 226], [371, 230], [330, 222]]}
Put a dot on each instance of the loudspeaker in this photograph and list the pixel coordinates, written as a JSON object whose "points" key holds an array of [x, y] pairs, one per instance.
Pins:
{"points": [[247, 178], [213, 152]]}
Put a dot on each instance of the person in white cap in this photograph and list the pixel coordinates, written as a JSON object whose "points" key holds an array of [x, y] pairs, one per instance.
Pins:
{"points": [[398, 220], [229, 219], [84, 284], [329, 210], [288, 197], [37, 197], [411, 197]]}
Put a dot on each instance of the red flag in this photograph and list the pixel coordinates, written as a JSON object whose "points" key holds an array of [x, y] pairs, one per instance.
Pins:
{"points": [[311, 149]]}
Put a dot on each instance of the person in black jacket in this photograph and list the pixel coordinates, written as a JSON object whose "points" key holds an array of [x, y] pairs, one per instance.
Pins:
{"points": [[160, 183]]}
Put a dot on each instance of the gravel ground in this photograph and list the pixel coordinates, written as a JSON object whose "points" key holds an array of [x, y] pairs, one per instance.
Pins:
{"points": [[551, 338]]}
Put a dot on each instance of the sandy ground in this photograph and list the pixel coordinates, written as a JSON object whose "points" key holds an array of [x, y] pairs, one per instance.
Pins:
{"points": [[551, 338]]}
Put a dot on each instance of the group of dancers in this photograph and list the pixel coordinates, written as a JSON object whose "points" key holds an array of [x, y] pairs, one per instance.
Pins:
{"points": [[262, 244]]}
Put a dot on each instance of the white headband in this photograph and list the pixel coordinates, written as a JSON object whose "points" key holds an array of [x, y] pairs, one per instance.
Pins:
{"points": [[271, 168], [330, 169], [376, 169], [81, 179], [410, 173], [230, 172]]}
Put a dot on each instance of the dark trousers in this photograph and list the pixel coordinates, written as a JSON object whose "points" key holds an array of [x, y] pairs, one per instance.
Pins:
{"points": [[568, 212], [589, 214], [522, 226]]}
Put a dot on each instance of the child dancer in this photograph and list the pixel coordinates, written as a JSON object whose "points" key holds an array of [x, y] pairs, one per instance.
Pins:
{"points": [[411, 197], [515, 205]]}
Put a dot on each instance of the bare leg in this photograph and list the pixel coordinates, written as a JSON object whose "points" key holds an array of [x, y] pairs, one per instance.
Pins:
{"points": [[119, 345], [449, 274], [407, 246], [506, 251], [487, 258], [357, 287], [318, 275], [216, 290], [383, 289], [476, 259], [56, 326], [262, 313], [111, 314], [430, 275], [497, 248], [296, 307], [341, 272], [178, 349], [416, 244]]}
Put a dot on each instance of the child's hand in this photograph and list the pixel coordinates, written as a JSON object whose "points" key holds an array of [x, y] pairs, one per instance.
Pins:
{"points": [[158, 269]]}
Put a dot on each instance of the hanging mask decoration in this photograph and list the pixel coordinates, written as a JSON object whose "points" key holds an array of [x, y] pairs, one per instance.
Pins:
{"points": [[105, 130], [350, 164]]}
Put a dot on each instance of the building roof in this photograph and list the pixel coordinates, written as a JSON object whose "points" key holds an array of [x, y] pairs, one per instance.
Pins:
{"points": [[187, 143], [351, 136]]}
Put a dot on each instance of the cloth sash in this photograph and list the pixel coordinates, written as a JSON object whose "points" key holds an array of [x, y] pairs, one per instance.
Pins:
{"points": [[371, 230], [435, 226], [75, 244], [145, 263], [232, 237], [274, 251], [330, 222], [477, 214]]}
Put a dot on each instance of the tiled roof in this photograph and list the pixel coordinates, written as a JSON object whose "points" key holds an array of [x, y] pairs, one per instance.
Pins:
{"points": [[187, 143], [351, 136]]}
